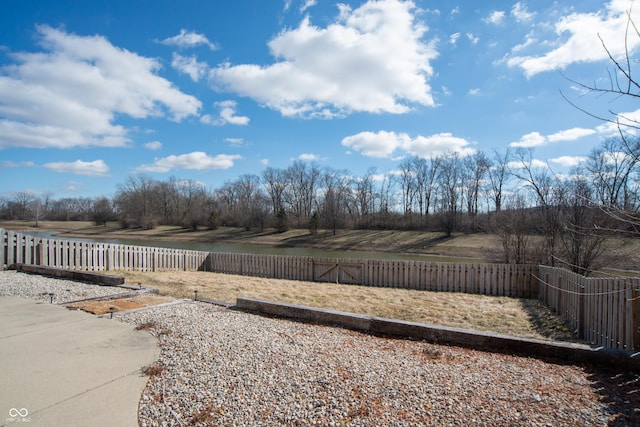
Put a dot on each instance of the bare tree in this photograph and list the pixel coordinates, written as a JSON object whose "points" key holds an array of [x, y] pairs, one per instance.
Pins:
{"points": [[300, 192], [335, 186], [134, 200], [408, 185], [364, 199], [543, 184], [582, 242], [611, 170], [476, 167], [275, 181], [426, 172], [498, 172], [450, 184], [513, 227], [102, 211]]}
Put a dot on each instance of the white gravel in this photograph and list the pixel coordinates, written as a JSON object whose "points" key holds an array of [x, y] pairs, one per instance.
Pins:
{"points": [[33, 286], [224, 367]]}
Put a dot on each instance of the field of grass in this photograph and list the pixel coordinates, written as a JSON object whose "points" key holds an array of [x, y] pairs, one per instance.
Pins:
{"points": [[512, 316]]}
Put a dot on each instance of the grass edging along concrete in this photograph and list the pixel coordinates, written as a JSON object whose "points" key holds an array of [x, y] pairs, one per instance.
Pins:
{"points": [[477, 340], [84, 276]]}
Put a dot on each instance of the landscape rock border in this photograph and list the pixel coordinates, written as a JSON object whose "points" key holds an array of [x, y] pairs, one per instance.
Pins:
{"points": [[84, 276], [477, 340]]}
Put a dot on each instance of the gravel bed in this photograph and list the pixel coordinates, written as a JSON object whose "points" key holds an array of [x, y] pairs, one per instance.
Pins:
{"points": [[33, 286], [224, 367]]}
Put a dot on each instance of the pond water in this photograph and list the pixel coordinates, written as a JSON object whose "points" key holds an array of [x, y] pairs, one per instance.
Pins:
{"points": [[247, 248]]}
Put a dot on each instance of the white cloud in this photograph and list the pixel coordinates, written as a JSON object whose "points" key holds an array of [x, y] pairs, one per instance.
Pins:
{"points": [[535, 163], [308, 157], [153, 145], [11, 164], [628, 122], [307, 4], [383, 144], [189, 65], [569, 161], [235, 141], [570, 134], [520, 12], [69, 94], [530, 140], [577, 39], [187, 39], [371, 59], [197, 160], [370, 144], [496, 17], [227, 115], [472, 38], [453, 38], [529, 41], [535, 139], [474, 92], [95, 168]]}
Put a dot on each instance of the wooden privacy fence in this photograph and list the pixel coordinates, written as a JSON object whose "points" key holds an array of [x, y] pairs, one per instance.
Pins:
{"points": [[603, 311], [475, 278], [94, 256]]}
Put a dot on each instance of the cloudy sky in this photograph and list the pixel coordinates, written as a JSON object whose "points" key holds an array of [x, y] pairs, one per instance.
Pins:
{"points": [[93, 92]]}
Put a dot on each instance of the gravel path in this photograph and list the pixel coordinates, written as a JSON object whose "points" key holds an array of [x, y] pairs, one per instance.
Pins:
{"points": [[224, 367]]}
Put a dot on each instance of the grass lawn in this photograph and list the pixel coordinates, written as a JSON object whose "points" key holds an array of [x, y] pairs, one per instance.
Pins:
{"points": [[512, 316]]}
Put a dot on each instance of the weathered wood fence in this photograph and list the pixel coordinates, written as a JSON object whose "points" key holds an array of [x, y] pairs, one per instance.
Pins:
{"points": [[94, 256], [603, 311], [475, 278]]}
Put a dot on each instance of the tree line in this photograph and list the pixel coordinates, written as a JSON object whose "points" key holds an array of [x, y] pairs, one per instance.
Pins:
{"points": [[539, 216]]}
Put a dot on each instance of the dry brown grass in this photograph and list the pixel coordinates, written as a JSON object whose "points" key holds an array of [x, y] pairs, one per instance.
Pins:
{"points": [[527, 318]]}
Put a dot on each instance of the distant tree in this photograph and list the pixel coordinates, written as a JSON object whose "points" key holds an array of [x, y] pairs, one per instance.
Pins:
{"points": [[314, 223], [498, 172], [450, 184], [275, 181], [513, 227], [214, 219], [102, 211], [547, 193], [582, 241], [282, 222]]}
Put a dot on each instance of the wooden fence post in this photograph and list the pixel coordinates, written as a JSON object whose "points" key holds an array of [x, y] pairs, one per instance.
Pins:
{"points": [[635, 317], [3, 242], [581, 310]]}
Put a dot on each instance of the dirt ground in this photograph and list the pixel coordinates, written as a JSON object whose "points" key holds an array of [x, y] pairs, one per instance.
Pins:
{"points": [[104, 307]]}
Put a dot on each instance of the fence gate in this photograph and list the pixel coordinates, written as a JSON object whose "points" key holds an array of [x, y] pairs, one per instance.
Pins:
{"points": [[338, 272]]}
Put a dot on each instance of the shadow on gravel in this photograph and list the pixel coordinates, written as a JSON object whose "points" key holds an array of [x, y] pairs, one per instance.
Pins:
{"points": [[619, 393]]}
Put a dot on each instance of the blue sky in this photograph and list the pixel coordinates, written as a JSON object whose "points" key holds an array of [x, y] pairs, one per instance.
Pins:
{"points": [[93, 92]]}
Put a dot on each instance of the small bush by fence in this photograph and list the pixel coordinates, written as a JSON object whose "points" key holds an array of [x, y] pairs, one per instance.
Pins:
{"points": [[603, 311]]}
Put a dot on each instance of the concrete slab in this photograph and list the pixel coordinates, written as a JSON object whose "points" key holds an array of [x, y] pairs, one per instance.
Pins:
{"points": [[69, 368]]}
